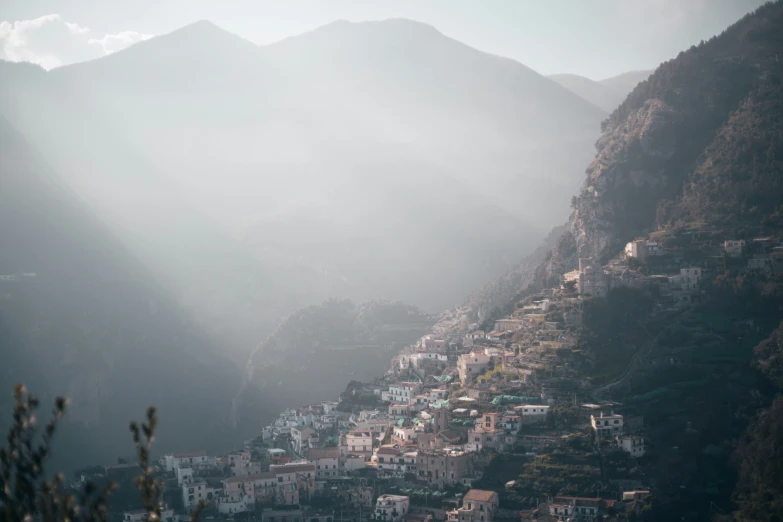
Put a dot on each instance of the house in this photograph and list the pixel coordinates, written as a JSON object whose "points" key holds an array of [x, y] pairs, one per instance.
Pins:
{"points": [[510, 423], [188, 459], [303, 438], [487, 432], [471, 365], [690, 278], [734, 248], [403, 435], [193, 493], [575, 509], [401, 392], [359, 442], [631, 444], [326, 461], [229, 505], [445, 467], [239, 463], [478, 394], [392, 459], [329, 407], [437, 394], [434, 345], [636, 494], [593, 281], [391, 508], [607, 425], [184, 475], [532, 412], [398, 411], [479, 505], [636, 249]]}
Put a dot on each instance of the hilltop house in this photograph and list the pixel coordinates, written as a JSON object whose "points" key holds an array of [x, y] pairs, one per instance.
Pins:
{"points": [[607, 425]]}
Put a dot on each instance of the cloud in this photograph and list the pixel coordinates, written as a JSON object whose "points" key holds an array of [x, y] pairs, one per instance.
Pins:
{"points": [[50, 41], [111, 43]]}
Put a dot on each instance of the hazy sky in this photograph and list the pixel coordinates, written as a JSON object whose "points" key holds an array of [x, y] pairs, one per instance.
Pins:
{"points": [[594, 38]]}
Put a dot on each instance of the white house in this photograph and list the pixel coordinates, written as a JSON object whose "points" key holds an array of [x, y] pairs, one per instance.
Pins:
{"points": [[193, 493], [607, 425], [401, 392], [184, 475], [329, 407], [532, 412], [189, 459], [391, 508], [303, 438], [437, 394], [230, 504], [631, 444], [359, 442], [734, 248]]}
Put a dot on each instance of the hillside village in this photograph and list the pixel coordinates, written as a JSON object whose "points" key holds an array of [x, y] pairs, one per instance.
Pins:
{"points": [[509, 421]]}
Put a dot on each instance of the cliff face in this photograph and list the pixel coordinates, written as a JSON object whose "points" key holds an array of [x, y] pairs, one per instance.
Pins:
{"points": [[701, 134]]}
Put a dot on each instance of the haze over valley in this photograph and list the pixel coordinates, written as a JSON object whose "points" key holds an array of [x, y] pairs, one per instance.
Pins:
{"points": [[371, 223]]}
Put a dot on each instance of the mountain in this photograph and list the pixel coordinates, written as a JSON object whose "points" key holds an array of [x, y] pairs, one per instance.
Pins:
{"points": [[606, 94], [489, 121], [80, 317], [626, 82], [596, 93], [695, 143], [690, 159], [352, 161], [316, 350]]}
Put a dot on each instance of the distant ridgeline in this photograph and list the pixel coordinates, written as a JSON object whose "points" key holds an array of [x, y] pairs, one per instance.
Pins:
{"points": [[318, 349]]}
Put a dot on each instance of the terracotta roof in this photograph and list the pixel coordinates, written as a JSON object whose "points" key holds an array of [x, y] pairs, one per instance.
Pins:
{"points": [[479, 495], [187, 454], [323, 453]]}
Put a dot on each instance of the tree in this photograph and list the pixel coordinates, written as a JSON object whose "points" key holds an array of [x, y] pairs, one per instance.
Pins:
{"points": [[26, 494]]}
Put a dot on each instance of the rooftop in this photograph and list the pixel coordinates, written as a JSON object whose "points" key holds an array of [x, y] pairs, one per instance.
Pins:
{"points": [[479, 495]]}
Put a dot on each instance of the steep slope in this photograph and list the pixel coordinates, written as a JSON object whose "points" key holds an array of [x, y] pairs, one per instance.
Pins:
{"points": [[698, 141], [490, 121], [624, 83], [88, 322], [596, 93], [691, 158], [318, 349]]}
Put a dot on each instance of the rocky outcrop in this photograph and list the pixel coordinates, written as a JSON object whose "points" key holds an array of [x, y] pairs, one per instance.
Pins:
{"points": [[627, 172]]}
